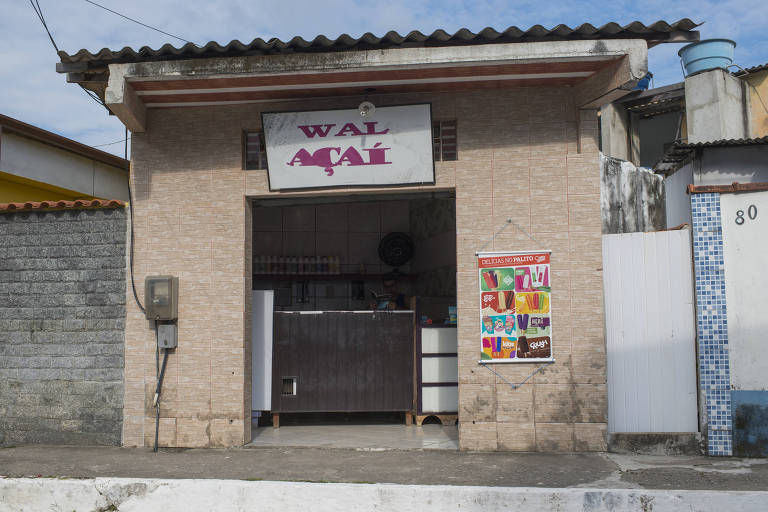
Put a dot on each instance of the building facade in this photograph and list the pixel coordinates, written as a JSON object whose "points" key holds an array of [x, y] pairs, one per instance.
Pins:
{"points": [[526, 178], [38, 165]]}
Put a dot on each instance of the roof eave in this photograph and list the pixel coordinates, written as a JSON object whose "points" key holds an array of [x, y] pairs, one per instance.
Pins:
{"points": [[11, 125]]}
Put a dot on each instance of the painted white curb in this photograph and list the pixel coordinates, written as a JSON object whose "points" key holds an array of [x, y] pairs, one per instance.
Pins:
{"points": [[149, 495]]}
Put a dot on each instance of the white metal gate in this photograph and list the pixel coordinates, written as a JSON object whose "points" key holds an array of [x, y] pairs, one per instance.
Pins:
{"points": [[650, 331]]}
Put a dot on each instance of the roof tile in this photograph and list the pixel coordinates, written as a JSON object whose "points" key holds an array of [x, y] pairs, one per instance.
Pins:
{"points": [[659, 31], [61, 205]]}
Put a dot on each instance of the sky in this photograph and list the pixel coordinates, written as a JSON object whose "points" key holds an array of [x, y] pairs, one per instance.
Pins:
{"points": [[32, 91]]}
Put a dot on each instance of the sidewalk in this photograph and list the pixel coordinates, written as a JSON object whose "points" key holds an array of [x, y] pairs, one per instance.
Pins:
{"points": [[428, 467]]}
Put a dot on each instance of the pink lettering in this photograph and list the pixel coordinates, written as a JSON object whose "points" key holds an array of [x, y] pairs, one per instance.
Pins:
{"points": [[349, 127], [371, 127], [322, 158], [377, 155], [351, 157], [302, 157], [316, 129]]}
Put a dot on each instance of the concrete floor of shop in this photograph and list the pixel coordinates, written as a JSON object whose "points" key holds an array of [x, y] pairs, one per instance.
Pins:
{"points": [[372, 437]]}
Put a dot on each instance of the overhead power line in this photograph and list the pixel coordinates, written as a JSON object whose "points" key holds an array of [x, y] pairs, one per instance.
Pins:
{"points": [[137, 21], [109, 143], [36, 6], [39, 11]]}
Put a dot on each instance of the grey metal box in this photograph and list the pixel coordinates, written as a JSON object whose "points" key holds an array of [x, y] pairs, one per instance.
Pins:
{"points": [[161, 296], [166, 335]]}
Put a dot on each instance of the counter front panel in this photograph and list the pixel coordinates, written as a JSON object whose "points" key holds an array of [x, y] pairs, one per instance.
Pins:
{"points": [[343, 361]]}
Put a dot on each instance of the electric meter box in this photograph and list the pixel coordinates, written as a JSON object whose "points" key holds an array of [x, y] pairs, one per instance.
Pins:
{"points": [[161, 294], [167, 336]]}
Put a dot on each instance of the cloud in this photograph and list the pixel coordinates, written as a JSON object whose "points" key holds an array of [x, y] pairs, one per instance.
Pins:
{"points": [[32, 91]]}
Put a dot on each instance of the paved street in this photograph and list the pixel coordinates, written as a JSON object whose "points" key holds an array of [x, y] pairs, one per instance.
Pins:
{"points": [[431, 467]]}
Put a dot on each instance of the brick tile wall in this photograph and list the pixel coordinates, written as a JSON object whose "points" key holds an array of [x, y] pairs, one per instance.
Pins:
{"points": [[518, 158], [62, 318]]}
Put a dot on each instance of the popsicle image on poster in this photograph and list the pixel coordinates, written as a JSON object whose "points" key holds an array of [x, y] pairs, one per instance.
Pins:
{"points": [[491, 278]]}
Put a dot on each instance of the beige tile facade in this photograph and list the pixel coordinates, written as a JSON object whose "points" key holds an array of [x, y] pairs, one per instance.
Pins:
{"points": [[524, 154]]}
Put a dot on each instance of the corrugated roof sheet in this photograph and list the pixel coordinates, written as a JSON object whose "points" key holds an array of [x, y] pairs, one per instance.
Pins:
{"points": [[653, 102], [753, 69], [61, 205], [678, 154], [723, 142], [657, 32]]}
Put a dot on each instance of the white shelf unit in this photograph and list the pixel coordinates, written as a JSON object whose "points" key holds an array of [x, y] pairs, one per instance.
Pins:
{"points": [[438, 371]]}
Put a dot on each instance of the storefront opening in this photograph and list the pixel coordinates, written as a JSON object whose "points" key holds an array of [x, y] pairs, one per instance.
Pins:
{"points": [[354, 319]]}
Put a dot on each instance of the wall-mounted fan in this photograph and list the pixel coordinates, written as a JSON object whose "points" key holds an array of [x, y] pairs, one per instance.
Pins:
{"points": [[396, 249]]}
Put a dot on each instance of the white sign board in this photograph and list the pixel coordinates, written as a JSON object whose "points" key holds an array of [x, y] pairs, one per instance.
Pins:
{"points": [[336, 148]]}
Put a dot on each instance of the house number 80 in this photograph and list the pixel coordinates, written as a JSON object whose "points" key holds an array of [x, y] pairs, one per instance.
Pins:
{"points": [[751, 213]]}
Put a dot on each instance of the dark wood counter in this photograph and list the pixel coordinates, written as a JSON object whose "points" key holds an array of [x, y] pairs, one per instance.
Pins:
{"points": [[343, 361]]}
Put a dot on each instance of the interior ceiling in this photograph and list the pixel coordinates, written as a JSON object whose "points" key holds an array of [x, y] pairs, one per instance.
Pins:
{"points": [[285, 87]]}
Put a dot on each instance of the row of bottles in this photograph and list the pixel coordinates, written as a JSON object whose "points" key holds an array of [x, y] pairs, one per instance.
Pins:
{"points": [[296, 265]]}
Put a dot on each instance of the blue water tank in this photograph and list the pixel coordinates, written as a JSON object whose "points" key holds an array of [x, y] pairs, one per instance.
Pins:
{"points": [[707, 54]]}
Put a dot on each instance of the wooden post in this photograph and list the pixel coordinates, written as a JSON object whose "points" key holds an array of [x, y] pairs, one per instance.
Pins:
{"points": [[276, 420]]}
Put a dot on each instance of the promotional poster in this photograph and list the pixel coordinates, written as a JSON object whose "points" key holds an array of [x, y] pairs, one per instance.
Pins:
{"points": [[515, 306]]}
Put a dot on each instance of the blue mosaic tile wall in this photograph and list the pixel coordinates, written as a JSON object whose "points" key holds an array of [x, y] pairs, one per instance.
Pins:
{"points": [[711, 320]]}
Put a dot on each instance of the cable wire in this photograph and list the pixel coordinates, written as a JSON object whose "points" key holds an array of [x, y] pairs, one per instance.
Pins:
{"points": [[137, 21], [36, 6], [130, 209], [110, 144], [39, 12]]}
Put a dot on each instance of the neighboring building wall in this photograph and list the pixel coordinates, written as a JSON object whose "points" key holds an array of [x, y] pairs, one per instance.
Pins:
{"points": [[715, 107], [676, 198], [518, 158], [631, 198], [713, 166], [62, 283], [746, 290], [614, 132], [745, 223], [758, 102], [14, 189], [724, 165], [34, 160]]}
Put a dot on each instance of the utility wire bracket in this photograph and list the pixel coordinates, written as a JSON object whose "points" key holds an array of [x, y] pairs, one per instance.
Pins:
{"points": [[501, 229], [514, 385]]}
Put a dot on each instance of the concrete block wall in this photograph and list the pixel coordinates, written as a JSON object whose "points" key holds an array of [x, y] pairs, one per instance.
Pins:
{"points": [[62, 317], [524, 154]]}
